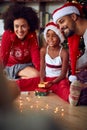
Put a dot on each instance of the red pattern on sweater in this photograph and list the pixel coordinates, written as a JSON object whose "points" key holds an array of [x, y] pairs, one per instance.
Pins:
{"points": [[14, 51]]}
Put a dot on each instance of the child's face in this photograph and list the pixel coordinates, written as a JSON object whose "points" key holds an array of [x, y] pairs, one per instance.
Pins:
{"points": [[52, 38], [21, 28]]}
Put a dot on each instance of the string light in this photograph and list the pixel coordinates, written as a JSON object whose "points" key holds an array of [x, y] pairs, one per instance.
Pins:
{"points": [[74, 1], [25, 103]]}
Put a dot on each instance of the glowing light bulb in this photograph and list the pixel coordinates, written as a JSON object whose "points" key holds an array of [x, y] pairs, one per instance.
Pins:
{"points": [[47, 106], [31, 106], [62, 109], [42, 109], [27, 98]]}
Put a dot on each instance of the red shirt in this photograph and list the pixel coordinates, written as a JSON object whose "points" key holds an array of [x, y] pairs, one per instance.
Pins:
{"points": [[15, 51]]}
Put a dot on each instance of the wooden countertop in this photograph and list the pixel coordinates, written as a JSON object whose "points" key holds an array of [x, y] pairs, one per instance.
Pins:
{"points": [[73, 117]]}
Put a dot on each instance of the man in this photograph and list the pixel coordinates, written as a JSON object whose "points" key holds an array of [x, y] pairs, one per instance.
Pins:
{"points": [[71, 21]]}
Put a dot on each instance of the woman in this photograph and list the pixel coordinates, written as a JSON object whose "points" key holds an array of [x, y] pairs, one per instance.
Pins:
{"points": [[19, 45]]}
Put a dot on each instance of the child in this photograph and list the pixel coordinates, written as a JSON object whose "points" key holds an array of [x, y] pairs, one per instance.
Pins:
{"points": [[54, 62], [54, 66]]}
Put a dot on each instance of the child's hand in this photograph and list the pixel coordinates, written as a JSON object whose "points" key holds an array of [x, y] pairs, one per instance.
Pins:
{"points": [[42, 84], [48, 84]]}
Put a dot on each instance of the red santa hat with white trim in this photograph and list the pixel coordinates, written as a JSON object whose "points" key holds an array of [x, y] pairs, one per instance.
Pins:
{"points": [[66, 9], [52, 26], [73, 41]]}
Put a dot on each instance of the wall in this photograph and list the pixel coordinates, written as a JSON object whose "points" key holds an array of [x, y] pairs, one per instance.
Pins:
{"points": [[50, 7]]}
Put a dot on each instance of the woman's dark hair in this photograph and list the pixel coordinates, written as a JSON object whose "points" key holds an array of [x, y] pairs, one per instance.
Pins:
{"points": [[20, 11]]}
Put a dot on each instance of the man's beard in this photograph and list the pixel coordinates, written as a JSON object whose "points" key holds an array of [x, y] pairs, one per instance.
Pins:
{"points": [[71, 32]]}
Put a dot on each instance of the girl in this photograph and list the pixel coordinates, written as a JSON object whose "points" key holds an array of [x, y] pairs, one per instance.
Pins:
{"points": [[54, 66], [54, 62]]}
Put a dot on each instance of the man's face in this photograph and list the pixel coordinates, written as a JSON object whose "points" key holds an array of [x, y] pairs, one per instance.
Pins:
{"points": [[67, 25]]}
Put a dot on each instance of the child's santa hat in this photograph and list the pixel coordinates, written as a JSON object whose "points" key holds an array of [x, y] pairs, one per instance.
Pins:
{"points": [[52, 26], [67, 9], [73, 41]]}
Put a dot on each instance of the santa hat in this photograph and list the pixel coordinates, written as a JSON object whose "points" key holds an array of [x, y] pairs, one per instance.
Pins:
{"points": [[67, 9], [52, 26], [73, 43]]}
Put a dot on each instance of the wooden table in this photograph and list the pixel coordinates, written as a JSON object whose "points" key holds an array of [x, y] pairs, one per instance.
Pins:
{"points": [[73, 118]]}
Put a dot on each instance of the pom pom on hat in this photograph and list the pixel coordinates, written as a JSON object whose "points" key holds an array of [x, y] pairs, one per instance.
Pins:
{"points": [[72, 78], [66, 9], [52, 26]]}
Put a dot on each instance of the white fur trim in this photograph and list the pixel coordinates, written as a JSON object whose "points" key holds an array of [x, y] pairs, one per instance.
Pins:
{"points": [[56, 30], [65, 11], [72, 78]]}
